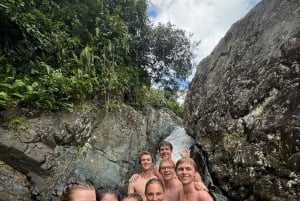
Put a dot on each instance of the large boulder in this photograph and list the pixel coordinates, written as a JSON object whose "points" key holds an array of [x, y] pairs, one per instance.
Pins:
{"points": [[243, 105], [41, 152]]}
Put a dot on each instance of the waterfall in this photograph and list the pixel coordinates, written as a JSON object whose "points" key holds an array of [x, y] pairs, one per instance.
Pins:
{"points": [[180, 140]]}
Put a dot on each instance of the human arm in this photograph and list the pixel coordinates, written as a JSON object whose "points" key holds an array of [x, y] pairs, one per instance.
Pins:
{"points": [[130, 187], [157, 173], [199, 183]]}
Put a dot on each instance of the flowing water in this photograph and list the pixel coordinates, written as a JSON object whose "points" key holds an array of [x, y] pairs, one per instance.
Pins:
{"points": [[180, 140]]}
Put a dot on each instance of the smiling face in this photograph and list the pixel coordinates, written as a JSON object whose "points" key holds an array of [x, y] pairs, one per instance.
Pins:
{"points": [[146, 162], [185, 170], [165, 152], [154, 190], [167, 169]]}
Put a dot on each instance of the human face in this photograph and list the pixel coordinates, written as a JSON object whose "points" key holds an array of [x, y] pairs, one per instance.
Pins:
{"points": [[185, 172], [83, 195], [109, 197], [166, 169], [155, 192], [165, 152], [146, 162]]}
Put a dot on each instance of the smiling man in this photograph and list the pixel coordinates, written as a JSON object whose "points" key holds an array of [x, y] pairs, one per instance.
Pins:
{"points": [[138, 186], [165, 150], [186, 171], [172, 184]]}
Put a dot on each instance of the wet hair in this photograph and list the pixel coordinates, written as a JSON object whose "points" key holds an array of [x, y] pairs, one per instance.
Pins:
{"points": [[70, 187], [145, 153], [102, 191], [135, 196], [154, 181], [165, 143], [186, 160], [166, 160]]}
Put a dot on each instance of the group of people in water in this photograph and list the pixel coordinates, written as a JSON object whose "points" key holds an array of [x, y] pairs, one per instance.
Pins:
{"points": [[169, 181]]}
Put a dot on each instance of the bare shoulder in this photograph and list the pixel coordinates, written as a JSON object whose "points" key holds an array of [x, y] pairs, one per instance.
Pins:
{"points": [[204, 196], [153, 176]]}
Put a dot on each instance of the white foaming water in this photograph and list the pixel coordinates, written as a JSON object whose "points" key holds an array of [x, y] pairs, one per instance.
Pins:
{"points": [[179, 140]]}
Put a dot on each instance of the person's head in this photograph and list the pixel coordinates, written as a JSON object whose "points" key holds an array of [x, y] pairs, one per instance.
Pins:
{"points": [[145, 160], [147, 154], [79, 191], [186, 169], [133, 197], [165, 149], [167, 169], [107, 194], [154, 190]]}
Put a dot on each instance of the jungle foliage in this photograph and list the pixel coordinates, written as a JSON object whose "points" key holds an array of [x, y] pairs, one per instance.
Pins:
{"points": [[56, 54]]}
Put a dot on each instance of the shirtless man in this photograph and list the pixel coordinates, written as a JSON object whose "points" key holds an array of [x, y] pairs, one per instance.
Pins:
{"points": [[165, 150], [172, 184], [145, 161], [186, 171]]}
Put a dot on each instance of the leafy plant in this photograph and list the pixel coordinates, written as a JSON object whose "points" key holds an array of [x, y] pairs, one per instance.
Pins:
{"points": [[58, 54], [16, 122]]}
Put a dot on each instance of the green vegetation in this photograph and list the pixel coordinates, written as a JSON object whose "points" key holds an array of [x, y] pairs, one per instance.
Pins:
{"points": [[58, 54], [18, 121], [16, 124]]}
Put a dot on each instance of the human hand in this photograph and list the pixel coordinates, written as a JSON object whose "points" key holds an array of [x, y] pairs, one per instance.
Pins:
{"points": [[134, 178], [200, 186], [186, 153]]}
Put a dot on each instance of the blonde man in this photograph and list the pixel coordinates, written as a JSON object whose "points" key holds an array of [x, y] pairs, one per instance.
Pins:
{"points": [[186, 171], [172, 184]]}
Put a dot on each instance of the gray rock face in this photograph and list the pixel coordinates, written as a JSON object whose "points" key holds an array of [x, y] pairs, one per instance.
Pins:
{"points": [[39, 154], [14, 185], [243, 106]]}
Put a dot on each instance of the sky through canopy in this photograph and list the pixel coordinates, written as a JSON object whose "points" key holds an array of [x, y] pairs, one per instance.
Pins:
{"points": [[207, 20]]}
